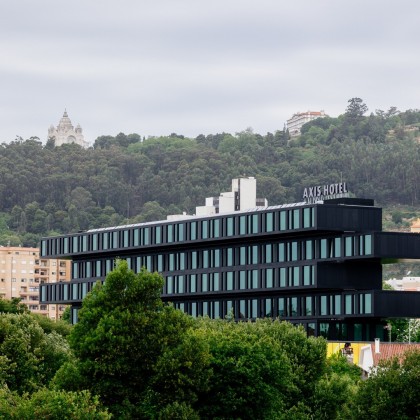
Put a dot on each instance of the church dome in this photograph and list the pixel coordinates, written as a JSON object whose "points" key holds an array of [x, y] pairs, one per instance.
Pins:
{"points": [[65, 123]]}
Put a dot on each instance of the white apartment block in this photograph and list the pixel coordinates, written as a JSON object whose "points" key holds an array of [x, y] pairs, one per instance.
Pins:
{"points": [[295, 123], [21, 273]]}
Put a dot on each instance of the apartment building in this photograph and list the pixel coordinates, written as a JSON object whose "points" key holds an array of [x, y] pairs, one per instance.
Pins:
{"points": [[21, 273], [296, 122]]}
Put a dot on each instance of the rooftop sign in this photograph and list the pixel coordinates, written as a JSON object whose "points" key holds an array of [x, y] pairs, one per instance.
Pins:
{"points": [[324, 192]]}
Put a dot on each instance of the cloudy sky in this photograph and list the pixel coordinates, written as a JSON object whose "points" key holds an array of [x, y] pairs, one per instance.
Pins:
{"points": [[200, 67]]}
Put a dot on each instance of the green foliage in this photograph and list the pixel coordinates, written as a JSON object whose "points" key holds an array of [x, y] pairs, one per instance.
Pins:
{"points": [[12, 306], [29, 357], [48, 190], [48, 325], [50, 404], [392, 391], [123, 330]]}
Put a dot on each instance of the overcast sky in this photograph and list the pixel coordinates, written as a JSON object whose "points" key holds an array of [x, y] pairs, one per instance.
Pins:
{"points": [[200, 67]]}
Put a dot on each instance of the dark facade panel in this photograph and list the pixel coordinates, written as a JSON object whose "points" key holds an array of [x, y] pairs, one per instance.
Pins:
{"points": [[397, 304], [397, 245], [349, 218], [356, 275]]}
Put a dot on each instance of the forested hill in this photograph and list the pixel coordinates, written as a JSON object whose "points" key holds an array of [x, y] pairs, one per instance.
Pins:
{"points": [[46, 190]]}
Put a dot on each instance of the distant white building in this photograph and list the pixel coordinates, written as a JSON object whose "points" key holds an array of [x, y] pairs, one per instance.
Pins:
{"points": [[65, 133], [295, 123], [408, 283]]}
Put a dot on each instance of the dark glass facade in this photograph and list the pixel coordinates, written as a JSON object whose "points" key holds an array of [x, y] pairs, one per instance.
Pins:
{"points": [[317, 265]]}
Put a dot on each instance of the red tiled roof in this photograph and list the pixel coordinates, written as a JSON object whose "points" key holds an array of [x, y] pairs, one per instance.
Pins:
{"points": [[390, 350]]}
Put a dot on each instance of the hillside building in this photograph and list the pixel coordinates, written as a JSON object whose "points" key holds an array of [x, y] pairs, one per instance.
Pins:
{"points": [[65, 133], [314, 264], [22, 271], [295, 123]]}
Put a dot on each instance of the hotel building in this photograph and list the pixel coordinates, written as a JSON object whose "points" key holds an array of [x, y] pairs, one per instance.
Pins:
{"points": [[318, 265]]}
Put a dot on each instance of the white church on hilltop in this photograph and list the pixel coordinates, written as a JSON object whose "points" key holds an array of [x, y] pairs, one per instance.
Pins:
{"points": [[65, 133]]}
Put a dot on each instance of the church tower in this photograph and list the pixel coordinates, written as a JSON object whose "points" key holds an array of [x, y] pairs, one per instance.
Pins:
{"points": [[65, 133]]}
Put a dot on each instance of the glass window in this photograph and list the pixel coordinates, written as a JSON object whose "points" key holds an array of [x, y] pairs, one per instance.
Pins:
{"points": [[205, 258], [170, 233], [295, 276], [337, 247], [368, 303], [229, 226], [324, 309], [115, 242], [307, 275], [181, 228], [229, 280], [98, 268], [268, 253], [229, 257], [283, 282], [171, 262], [216, 286], [254, 274], [160, 263], [158, 234], [254, 250], [368, 244], [242, 255], [146, 236], [348, 305], [66, 246], [337, 305], [309, 250], [169, 285], [182, 261], [269, 277], [283, 220], [216, 262], [204, 229], [216, 228], [349, 246], [323, 251], [193, 231], [75, 244], [193, 283], [194, 259], [294, 306], [95, 242], [242, 280], [254, 308], [294, 251], [136, 233], [254, 221], [281, 308], [180, 284], [242, 225], [296, 220], [308, 306], [282, 253], [307, 217], [268, 307], [269, 225], [125, 238]]}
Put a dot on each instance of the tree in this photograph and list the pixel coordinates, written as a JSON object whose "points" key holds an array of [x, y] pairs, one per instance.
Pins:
{"points": [[51, 404], [392, 391], [356, 108], [123, 330], [29, 358]]}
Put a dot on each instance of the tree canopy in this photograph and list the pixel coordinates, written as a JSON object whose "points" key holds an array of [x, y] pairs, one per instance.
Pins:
{"points": [[46, 190]]}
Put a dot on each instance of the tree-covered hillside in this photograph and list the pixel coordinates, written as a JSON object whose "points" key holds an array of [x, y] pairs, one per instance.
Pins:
{"points": [[46, 190]]}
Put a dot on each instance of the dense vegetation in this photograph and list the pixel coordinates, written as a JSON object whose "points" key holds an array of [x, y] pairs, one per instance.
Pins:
{"points": [[130, 356], [46, 190]]}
